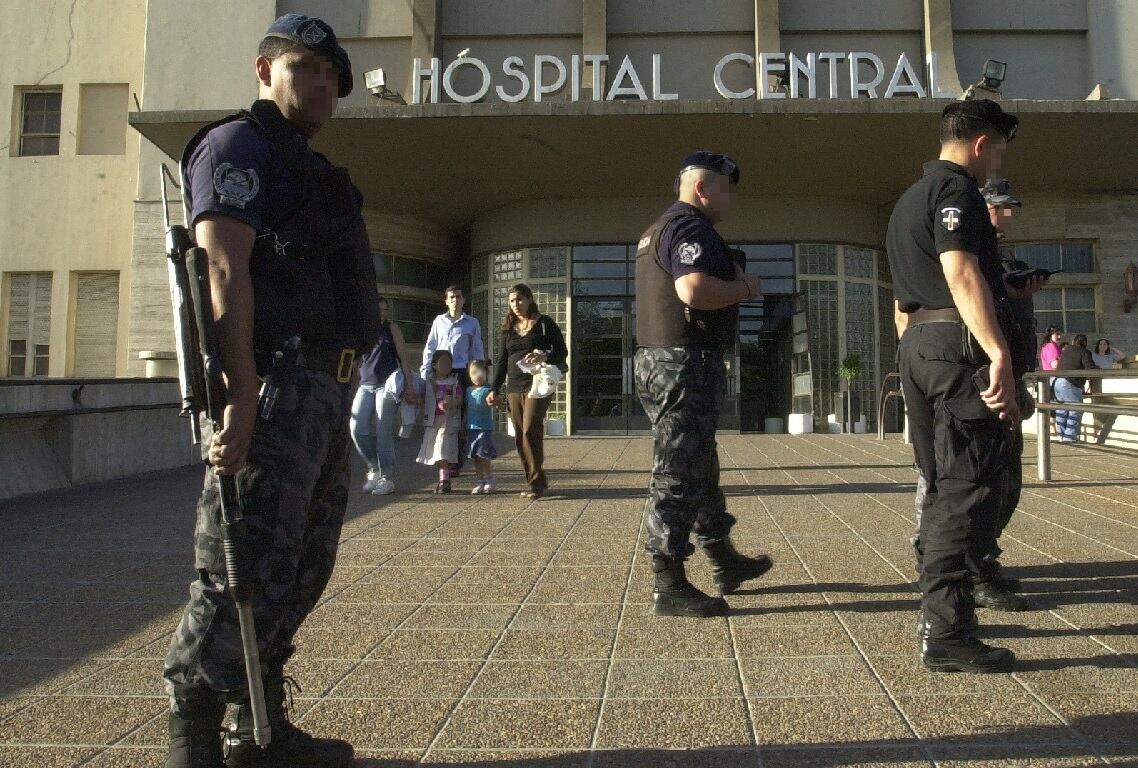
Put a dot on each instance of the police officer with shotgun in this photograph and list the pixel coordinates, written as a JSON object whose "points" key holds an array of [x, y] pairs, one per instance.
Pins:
{"points": [[959, 374], [688, 288], [292, 301]]}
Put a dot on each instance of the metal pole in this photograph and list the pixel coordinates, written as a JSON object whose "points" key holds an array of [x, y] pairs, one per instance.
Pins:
{"points": [[1043, 430]]}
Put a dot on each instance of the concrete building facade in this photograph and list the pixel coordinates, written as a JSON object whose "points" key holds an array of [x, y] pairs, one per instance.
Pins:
{"points": [[533, 140]]}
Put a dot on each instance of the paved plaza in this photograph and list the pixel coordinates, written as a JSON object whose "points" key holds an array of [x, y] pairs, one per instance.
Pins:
{"points": [[500, 631]]}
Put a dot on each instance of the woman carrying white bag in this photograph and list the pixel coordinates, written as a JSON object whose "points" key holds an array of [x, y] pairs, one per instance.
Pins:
{"points": [[383, 374]]}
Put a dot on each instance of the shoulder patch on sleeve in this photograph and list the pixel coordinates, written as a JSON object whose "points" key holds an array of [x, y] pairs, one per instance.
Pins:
{"points": [[950, 217], [688, 252], [235, 186]]}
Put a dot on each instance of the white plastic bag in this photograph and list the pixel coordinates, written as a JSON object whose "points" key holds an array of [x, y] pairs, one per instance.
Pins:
{"points": [[545, 378]]}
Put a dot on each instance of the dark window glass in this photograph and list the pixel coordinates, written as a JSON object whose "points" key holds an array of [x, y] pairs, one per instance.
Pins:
{"points": [[599, 287], [1077, 257], [608, 269], [600, 253], [40, 123]]}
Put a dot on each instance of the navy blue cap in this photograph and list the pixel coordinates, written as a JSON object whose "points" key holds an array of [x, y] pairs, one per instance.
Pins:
{"points": [[999, 192], [318, 37], [712, 161]]}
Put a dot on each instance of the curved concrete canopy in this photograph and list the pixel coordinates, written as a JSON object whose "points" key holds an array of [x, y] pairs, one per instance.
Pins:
{"points": [[450, 163]]}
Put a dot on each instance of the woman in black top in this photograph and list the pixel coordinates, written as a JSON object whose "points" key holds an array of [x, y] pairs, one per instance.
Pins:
{"points": [[531, 337]]}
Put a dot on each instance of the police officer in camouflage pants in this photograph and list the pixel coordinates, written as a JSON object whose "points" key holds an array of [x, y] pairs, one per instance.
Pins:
{"points": [[688, 287], [289, 258]]}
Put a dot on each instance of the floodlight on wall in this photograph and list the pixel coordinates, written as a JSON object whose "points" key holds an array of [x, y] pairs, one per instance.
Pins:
{"points": [[376, 82], [990, 81]]}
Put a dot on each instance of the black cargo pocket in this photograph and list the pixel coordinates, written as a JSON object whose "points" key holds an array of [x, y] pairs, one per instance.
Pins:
{"points": [[971, 441]]}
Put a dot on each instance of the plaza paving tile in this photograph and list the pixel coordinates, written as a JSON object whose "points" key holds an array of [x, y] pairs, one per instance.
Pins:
{"points": [[509, 633]]}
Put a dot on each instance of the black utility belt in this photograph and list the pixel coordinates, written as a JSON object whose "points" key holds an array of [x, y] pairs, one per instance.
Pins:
{"points": [[926, 316], [337, 363]]}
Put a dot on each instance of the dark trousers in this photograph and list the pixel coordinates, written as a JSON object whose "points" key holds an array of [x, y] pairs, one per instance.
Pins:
{"points": [[528, 415], [293, 492], [682, 391], [463, 376], [963, 450]]}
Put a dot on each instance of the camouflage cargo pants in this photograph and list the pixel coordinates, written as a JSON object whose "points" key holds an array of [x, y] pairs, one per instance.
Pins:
{"points": [[293, 492], [682, 391]]}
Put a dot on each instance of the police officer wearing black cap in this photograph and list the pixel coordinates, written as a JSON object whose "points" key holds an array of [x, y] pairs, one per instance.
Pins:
{"points": [[688, 288], [957, 373], [993, 589], [294, 297]]}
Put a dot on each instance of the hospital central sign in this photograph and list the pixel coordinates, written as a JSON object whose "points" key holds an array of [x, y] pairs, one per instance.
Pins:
{"points": [[519, 79]]}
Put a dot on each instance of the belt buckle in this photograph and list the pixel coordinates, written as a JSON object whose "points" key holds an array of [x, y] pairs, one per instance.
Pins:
{"points": [[344, 366]]}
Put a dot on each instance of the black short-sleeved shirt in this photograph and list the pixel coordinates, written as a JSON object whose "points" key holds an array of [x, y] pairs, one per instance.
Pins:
{"points": [[691, 244], [235, 171], [943, 211]]}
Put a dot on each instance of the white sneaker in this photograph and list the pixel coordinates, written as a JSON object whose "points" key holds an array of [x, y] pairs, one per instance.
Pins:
{"points": [[480, 488], [373, 478], [383, 487]]}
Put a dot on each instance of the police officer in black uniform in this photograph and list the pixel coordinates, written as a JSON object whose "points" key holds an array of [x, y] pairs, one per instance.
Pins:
{"points": [[294, 297], [994, 589], [957, 373], [688, 287]]}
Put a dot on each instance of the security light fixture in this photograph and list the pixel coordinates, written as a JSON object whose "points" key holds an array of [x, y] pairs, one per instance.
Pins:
{"points": [[376, 82], [994, 72]]}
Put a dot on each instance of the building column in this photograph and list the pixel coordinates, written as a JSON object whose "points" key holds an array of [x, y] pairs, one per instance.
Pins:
{"points": [[939, 40], [767, 39], [594, 39], [426, 40]]}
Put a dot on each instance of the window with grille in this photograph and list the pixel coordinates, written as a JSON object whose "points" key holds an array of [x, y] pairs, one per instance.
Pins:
{"points": [[29, 323], [40, 117], [1073, 306]]}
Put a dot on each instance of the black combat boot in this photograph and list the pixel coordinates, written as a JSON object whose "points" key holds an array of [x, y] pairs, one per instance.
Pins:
{"points": [[967, 654], [730, 569], [195, 739], [289, 746], [674, 595], [995, 595]]}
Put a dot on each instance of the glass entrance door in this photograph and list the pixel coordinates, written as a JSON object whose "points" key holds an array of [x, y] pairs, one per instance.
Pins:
{"points": [[604, 393]]}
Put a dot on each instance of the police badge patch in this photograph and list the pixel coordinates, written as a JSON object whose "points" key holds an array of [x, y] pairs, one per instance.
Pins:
{"points": [[644, 242], [313, 34], [689, 252], [950, 218], [235, 186]]}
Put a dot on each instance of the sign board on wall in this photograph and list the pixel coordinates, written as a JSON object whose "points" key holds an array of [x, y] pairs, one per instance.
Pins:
{"points": [[546, 75]]}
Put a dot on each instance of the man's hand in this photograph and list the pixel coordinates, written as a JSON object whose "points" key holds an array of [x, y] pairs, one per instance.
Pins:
{"points": [[754, 285], [491, 398], [1000, 395], [230, 447], [1030, 286]]}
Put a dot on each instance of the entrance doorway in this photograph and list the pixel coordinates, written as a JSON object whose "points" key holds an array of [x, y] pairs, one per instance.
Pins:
{"points": [[604, 393]]}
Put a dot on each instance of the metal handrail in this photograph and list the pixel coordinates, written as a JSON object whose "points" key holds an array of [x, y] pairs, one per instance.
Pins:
{"points": [[883, 400], [1044, 405]]}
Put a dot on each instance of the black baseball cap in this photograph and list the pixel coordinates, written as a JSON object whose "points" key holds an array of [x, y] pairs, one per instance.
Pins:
{"points": [[318, 37], [999, 192], [712, 161], [987, 112]]}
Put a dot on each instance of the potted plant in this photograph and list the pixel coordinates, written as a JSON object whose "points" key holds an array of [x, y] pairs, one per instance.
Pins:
{"points": [[849, 370]]}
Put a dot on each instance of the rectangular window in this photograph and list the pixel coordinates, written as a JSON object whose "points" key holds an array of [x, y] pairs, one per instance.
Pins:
{"points": [[96, 323], [1070, 308], [40, 116], [102, 118], [29, 323], [1069, 257]]}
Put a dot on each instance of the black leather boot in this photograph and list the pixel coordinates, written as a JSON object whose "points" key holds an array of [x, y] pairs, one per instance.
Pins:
{"points": [[195, 738], [674, 595], [967, 654], [730, 568], [998, 597], [289, 746]]}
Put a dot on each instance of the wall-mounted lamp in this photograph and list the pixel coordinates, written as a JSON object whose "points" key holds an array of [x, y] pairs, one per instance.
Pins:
{"points": [[1130, 285], [990, 81]]}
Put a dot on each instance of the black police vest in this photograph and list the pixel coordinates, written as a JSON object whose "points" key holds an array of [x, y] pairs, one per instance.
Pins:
{"points": [[662, 320], [312, 270]]}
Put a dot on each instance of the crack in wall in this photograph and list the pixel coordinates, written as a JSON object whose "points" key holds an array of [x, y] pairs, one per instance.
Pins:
{"points": [[70, 41]]}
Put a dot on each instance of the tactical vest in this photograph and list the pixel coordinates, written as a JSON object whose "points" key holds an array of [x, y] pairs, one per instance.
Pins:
{"points": [[662, 320], [311, 267]]}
